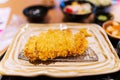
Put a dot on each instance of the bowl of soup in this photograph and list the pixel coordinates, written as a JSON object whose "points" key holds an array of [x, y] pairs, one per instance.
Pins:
{"points": [[112, 29]]}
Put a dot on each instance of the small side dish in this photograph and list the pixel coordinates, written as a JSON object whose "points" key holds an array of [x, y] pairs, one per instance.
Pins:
{"points": [[101, 2], [77, 8], [35, 13], [77, 11], [56, 43], [101, 17], [112, 28]]}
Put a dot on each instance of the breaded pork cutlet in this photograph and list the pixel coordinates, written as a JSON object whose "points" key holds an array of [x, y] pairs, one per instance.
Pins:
{"points": [[56, 43]]}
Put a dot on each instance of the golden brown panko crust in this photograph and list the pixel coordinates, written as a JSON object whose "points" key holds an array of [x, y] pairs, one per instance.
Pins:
{"points": [[56, 43]]}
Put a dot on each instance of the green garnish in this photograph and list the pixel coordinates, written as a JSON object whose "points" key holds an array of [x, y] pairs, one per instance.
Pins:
{"points": [[102, 17]]}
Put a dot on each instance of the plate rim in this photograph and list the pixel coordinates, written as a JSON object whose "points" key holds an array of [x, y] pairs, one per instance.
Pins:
{"points": [[48, 74]]}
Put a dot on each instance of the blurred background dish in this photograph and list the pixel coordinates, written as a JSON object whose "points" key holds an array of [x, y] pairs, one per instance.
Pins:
{"points": [[35, 13], [101, 2], [103, 11], [102, 5], [101, 17], [103, 8], [112, 28], [77, 10]]}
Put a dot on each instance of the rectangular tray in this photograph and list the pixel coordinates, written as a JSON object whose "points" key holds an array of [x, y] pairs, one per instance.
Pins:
{"points": [[107, 60]]}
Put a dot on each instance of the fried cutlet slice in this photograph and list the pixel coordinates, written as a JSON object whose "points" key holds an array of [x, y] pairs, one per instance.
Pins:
{"points": [[56, 43], [30, 48]]}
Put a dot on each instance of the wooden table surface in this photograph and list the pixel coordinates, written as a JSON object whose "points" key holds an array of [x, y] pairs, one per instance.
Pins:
{"points": [[54, 15]]}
